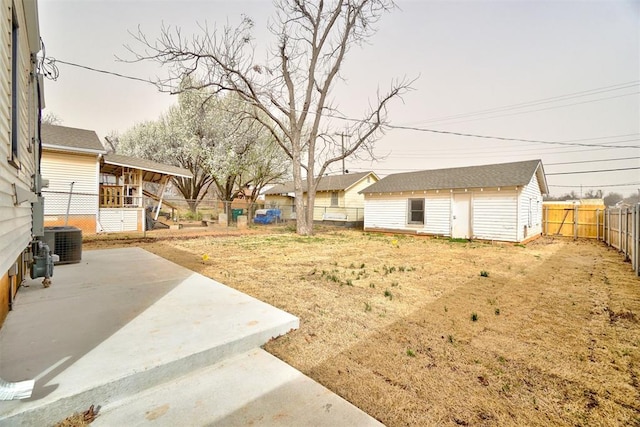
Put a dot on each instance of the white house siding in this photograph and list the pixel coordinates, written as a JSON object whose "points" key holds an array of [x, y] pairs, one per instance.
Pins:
{"points": [[438, 214], [16, 220], [63, 168], [495, 215], [386, 212], [530, 210], [114, 220]]}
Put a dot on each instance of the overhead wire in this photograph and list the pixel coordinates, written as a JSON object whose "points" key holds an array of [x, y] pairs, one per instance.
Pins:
{"points": [[53, 61], [532, 103]]}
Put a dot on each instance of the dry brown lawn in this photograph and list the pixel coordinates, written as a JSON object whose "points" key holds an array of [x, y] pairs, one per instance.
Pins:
{"points": [[387, 322]]}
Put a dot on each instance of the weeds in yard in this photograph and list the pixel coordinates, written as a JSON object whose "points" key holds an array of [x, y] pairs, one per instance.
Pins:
{"points": [[450, 339], [411, 353], [458, 240], [349, 282], [372, 285], [474, 317], [394, 284], [367, 307], [446, 309], [362, 265], [484, 273], [388, 294], [497, 311]]}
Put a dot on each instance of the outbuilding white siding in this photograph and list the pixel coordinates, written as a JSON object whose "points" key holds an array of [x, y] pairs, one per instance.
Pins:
{"points": [[489, 202], [115, 220], [494, 215], [385, 212], [530, 210], [438, 214]]}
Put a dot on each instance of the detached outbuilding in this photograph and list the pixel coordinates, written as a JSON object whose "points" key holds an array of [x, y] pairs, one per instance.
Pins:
{"points": [[490, 202]]}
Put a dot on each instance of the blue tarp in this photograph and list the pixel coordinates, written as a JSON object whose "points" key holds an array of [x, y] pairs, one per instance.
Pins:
{"points": [[267, 216]]}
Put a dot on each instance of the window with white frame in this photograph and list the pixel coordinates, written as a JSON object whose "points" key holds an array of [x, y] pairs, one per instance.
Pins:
{"points": [[416, 211], [334, 198]]}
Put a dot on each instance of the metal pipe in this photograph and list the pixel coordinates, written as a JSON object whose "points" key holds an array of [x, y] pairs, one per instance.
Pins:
{"points": [[66, 221]]}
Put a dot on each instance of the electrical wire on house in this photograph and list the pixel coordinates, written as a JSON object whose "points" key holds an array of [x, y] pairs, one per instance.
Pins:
{"points": [[47, 66], [71, 64]]}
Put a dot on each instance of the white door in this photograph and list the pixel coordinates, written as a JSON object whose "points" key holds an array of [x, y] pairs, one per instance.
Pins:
{"points": [[461, 216]]}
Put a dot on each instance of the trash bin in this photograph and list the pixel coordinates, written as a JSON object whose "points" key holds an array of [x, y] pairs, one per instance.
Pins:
{"points": [[235, 213]]}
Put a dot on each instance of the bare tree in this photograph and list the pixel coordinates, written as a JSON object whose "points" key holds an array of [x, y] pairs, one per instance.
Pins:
{"points": [[51, 118], [292, 89]]}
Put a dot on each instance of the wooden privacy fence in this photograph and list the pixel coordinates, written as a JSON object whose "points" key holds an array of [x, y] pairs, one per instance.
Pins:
{"points": [[622, 231], [617, 227], [573, 220]]}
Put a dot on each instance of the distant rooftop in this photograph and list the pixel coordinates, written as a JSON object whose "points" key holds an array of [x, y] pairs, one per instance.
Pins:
{"points": [[327, 183], [71, 139]]}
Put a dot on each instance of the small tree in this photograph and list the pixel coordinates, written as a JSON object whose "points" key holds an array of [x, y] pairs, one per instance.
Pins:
{"points": [[290, 93]]}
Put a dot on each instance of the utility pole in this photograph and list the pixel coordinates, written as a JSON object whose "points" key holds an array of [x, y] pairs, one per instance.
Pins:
{"points": [[342, 135]]}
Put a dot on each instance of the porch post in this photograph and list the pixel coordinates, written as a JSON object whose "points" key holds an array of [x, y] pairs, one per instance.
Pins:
{"points": [[164, 181]]}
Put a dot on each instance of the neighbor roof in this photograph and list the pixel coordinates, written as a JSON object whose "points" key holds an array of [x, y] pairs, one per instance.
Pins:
{"points": [[327, 183], [486, 176], [152, 171], [71, 139]]}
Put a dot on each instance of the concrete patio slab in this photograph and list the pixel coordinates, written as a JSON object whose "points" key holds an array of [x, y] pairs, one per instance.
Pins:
{"points": [[253, 388], [119, 322]]}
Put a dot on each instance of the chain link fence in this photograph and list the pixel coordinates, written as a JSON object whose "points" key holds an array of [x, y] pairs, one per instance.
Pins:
{"points": [[105, 212], [71, 209]]}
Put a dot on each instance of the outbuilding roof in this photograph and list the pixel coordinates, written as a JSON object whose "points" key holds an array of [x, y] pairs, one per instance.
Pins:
{"points": [[152, 171], [71, 139], [485, 176], [327, 183]]}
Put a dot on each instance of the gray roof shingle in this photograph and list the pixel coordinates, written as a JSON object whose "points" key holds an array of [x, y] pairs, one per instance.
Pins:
{"points": [[327, 183], [71, 139], [485, 176]]}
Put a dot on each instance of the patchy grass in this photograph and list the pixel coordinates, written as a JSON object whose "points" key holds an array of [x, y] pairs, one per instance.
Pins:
{"points": [[556, 340]]}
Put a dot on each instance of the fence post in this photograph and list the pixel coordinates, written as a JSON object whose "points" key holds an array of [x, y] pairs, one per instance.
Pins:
{"points": [[597, 224], [575, 222]]}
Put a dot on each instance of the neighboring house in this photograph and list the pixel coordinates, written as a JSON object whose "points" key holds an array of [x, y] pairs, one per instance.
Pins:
{"points": [[19, 150], [95, 191], [71, 163], [338, 197], [491, 202]]}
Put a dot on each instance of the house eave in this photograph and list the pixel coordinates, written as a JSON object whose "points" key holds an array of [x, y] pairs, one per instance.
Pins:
{"points": [[72, 149]]}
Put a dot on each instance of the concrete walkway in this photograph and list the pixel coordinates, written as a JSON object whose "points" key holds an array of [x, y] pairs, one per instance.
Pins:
{"points": [[150, 341]]}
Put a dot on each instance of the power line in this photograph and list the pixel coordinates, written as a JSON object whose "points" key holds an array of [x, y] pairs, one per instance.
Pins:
{"points": [[389, 126], [54, 60], [502, 138], [542, 109], [592, 171], [593, 161], [532, 103], [628, 184]]}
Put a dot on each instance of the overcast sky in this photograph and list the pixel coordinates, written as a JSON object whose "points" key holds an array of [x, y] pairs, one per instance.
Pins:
{"points": [[470, 56]]}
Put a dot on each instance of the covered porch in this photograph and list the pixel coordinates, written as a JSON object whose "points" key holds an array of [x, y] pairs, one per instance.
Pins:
{"points": [[128, 186]]}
